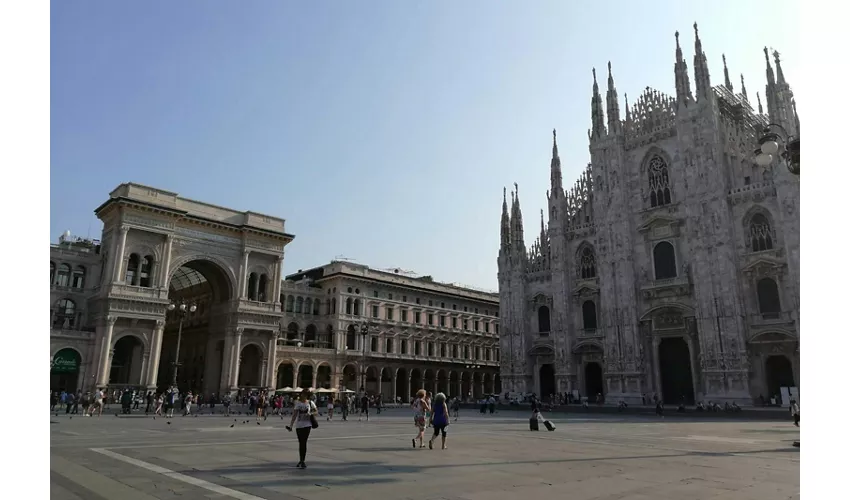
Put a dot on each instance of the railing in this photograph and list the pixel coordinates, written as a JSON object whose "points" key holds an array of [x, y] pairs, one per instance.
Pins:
{"points": [[253, 305], [138, 292]]}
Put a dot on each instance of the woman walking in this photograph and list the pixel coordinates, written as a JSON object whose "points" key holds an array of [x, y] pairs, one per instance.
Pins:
{"points": [[439, 419], [303, 417], [420, 408]]}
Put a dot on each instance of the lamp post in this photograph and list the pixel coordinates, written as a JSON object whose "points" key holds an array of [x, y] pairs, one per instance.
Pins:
{"points": [[364, 332], [769, 147], [182, 310]]}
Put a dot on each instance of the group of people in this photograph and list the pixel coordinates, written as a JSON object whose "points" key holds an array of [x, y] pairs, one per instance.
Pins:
{"points": [[90, 402]]}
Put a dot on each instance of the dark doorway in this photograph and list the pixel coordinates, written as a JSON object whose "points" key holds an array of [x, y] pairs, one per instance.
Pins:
{"points": [[126, 365], [779, 373], [286, 376], [401, 385], [547, 381], [65, 370], [593, 382], [674, 360]]}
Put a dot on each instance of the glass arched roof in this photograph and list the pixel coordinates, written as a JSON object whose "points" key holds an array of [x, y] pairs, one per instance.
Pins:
{"points": [[186, 277]]}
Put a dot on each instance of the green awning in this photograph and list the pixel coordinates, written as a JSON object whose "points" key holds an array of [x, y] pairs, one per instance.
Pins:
{"points": [[66, 361]]}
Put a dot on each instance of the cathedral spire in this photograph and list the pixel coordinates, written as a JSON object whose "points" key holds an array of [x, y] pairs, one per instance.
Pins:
{"points": [[780, 77], [628, 113], [596, 116], [726, 75], [758, 98], [744, 89], [555, 169], [516, 218], [543, 238], [701, 77], [613, 104], [770, 90], [683, 82], [506, 221]]}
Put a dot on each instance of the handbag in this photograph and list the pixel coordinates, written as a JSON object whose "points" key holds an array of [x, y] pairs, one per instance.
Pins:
{"points": [[314, 422]]}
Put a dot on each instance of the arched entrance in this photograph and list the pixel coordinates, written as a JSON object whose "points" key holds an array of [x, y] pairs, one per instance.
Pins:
{"points": [[206, 285], [594, 384], [349, 378], [674, 360], [286, 375], [415, 381], [65, 370], [323, 377], [305, 376], [454, 385], [779, 373], [250, 366], [498, 384], [547, 381], [386, 384], [126, 368], [465, 386], [401, 388], [429, 381], [442, 382], [372, 380]]}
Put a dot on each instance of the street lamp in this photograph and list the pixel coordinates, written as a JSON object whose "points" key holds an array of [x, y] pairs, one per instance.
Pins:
{"points": [[364, 332], [182, 310], [770, 144]]}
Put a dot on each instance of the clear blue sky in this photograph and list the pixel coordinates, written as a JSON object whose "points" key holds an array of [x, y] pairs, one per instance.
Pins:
{"points": [[382, 131]]}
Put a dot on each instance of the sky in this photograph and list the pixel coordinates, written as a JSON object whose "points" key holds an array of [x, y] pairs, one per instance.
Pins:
{"points": [[382, 131]]}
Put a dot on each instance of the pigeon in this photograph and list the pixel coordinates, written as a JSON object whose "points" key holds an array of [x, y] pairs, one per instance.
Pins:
{"points": [[258, 422], [234, 420], [231, 425], [169, 422]]}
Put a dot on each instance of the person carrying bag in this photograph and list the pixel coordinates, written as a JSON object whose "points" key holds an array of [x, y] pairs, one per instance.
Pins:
{"points": [[304, 419]]}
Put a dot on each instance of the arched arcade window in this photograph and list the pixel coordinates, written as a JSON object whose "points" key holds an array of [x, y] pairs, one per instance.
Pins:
{"points": [[66, 312], [290, 303], [768, 294], [588, 315], [78, 280], [349, 305], [63, 278], [292, 331], [132, 275], [316, 306], [253, 284], [299, 305], [659, 182], [263, 288], [543, 320], [350, 338], [760, 234], [310, 335], [664, 257], [146, 272]]}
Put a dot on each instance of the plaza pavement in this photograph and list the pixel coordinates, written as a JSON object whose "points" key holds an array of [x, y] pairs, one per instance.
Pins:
{"points": [[491, 457]]}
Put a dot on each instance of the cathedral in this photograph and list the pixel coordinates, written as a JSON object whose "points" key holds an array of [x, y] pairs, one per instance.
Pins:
{"points": [[671, 267]]}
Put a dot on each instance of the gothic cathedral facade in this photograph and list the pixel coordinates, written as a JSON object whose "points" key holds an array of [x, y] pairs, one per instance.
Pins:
{"points": [[671, 267]]}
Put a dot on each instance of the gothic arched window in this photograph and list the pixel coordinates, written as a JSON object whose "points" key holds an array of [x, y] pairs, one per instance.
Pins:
{"points": [[588, 314], [664, 257], [760, 234], [587, 263], [659, 182], [768, 294], [543, 320]]}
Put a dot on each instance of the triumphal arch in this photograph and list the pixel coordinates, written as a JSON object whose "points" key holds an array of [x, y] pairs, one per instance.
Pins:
{"points": [[159, 249]]}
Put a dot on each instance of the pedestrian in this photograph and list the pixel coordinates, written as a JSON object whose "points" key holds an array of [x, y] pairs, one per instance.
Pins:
{"points": [[187, 404], [439, 419], [345, 403], [456, 407], [330, 408], [69, 402], [304, 420], [364, 407], [225, 401], [420, 408], [99, 397], [795, 412], [159, 401], [261, 404]]}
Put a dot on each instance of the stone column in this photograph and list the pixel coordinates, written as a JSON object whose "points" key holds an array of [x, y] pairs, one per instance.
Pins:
{"points": [[119, 255], [656, 367], [106, 347], [693, 359], [235, 359], [271, 378], [315, 377], [146, 355], [277, 277], [243, 275], [226, 363], [165, 272]]}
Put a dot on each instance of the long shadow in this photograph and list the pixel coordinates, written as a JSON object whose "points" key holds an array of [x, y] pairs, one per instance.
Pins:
{"points": [[357, 473]]}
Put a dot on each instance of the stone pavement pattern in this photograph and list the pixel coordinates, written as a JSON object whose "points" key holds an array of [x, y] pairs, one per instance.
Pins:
{"points": [[489, 457]]}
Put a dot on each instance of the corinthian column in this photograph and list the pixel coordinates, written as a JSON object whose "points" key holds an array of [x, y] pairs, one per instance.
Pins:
{"points": [[119, 255], [105, 349], [271, 377], [153, 361]]}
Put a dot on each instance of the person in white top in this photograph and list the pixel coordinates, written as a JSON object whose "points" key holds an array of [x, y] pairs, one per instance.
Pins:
{"points": [[304, 419], [98, 402], [330, 408]]}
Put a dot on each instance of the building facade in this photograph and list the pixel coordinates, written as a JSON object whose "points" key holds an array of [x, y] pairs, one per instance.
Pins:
{"points": [[671, 267], [112, 323]]}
